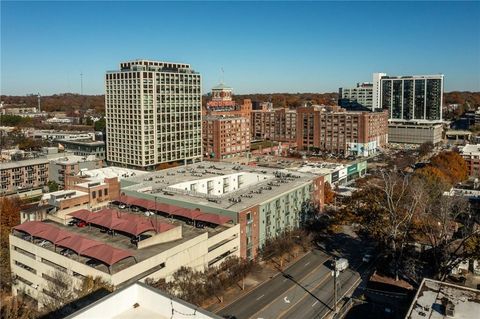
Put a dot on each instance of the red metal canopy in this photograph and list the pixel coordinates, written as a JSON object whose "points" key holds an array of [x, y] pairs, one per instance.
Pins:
{"points": [[175, 210], [107, 254], [78, 243]]}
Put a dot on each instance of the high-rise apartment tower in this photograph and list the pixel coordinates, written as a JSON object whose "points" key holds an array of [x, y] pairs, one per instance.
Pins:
{"points": [[153, 112]]}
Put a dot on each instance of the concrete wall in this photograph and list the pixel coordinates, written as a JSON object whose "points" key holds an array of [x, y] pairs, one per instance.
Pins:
{"points": [[196, 253], [164, 237], [414, 134]]}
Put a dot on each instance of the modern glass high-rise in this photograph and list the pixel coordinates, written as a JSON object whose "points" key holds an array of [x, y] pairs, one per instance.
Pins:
{"points": [[415, 98], [153, 113]]}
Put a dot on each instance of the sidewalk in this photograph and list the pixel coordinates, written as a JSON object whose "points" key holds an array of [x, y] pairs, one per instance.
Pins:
{"points": [[262, 275]]}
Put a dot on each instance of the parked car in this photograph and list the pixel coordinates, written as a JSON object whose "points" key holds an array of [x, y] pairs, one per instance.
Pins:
{"points": [[340, 264], [122, 206], [93, 263], [141, 237], [43, 243], [81, 224], [66, 252], [73, 222], [149, 213], [199, 225]]}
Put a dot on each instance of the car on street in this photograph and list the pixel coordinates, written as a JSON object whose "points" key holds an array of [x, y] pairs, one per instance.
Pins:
{"points": [[340, 264], [149, 213], [122, 206]]}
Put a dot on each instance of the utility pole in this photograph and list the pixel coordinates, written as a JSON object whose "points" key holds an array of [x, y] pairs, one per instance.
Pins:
{"points": [[335, 273]]}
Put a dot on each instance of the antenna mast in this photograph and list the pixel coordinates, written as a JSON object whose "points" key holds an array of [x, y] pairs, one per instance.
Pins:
{"points": [[81, 83]]}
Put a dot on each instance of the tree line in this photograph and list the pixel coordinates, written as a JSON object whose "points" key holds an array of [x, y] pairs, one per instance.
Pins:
{"points": [[397, 209]]}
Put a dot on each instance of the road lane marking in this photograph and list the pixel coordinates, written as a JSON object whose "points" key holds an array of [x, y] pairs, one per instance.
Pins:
{"points": [[315, 303], [265, 282], [323, 259], [322, 281], [260, 297], [307, 264], [285, 299]]}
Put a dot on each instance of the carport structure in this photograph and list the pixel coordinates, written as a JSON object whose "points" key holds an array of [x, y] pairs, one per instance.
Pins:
{"points": [[123, 222], [82, 246], [173, 210]]}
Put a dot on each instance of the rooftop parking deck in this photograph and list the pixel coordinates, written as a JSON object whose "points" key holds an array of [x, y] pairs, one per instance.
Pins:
{"points": [[123, 241]]}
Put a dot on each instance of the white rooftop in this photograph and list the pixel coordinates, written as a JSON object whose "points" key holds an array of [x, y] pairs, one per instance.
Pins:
{"points": [[432, 296], [138, 301], [99, 174], [471, 149]]}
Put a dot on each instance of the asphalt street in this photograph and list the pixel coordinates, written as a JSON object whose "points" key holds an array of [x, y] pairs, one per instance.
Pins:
{"points": [[305, 289], [306, 269]]}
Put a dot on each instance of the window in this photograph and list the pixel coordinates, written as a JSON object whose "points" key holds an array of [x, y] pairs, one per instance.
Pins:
{"points": [[105, 191], [94, 194]]}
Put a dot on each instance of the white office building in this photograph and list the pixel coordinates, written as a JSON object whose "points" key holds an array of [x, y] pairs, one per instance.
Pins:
{"points": [[153, 113], [361, 94]]}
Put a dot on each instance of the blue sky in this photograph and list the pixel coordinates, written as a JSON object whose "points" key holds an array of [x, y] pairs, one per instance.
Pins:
{"points": [[262, 46]]}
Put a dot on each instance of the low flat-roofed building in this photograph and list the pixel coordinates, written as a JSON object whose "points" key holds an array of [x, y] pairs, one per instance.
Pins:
{"points": [[436, 299], [139, 300], [458, 137], [471, 155], [411, 133], [85, 147], [334, 173], [119, 246], [263, 201], [62, 167], [53, 135]]}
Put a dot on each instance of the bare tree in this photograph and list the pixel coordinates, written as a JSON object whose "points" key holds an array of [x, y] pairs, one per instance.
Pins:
{"points": [[399, 199], [58, 291]]}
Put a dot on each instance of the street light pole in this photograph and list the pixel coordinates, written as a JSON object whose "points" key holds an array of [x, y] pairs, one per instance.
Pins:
{"points": [[335, 272]]}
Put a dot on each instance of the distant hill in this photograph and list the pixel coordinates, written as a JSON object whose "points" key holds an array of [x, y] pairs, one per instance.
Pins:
{"points": [[71, 102]]}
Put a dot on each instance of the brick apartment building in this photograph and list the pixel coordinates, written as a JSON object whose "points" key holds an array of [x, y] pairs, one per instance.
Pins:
{"points": [[226, 125], [274, 124], [20, 176], [333, 129]]}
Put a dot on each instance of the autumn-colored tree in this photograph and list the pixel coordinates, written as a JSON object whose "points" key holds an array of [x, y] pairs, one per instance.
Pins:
{"points": [[328, 193], [452, 165], [9, 217]]}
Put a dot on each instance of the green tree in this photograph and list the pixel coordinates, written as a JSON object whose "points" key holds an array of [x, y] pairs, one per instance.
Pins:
{"points": [[52, 186], [100, 124]]}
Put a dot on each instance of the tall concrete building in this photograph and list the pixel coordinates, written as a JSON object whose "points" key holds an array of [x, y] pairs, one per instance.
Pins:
{"points": [[153, 113], [416, 98]]}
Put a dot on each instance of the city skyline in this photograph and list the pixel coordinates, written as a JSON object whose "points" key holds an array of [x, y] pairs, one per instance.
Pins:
{"points": [[263, 47]]}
